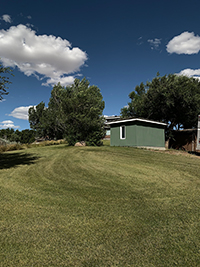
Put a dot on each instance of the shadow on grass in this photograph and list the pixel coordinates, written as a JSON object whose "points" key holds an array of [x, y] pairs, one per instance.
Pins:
{"points": [[196, 153], [10, 160]]}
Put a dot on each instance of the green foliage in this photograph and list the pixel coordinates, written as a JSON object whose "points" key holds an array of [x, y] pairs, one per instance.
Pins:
{"points": [[6, 133], [6, 145], [135, 106], [36, 118], [172, 99], [4, 80], [23, 137], [27, 136], [74, 112]]}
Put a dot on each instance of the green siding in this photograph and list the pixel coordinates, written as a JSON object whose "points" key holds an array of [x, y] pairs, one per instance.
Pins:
{"points": [[138, 134]]}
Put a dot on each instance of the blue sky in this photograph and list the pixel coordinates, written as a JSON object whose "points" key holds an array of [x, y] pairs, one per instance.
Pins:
{"points": [[116, 45]]}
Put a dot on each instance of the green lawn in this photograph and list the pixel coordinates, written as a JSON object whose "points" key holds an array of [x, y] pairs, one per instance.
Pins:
{"points": [[99, 206]]}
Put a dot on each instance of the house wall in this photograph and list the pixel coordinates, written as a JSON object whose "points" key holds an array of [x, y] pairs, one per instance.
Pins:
{"points": [[130, 139], [138, 134]]}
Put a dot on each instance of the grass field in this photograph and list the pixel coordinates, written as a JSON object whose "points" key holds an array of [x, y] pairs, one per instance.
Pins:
{"points": [[99, 206]]}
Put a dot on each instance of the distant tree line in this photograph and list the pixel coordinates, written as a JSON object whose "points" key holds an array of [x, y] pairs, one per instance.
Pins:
{"points": [[74, 113], [24, 137]]}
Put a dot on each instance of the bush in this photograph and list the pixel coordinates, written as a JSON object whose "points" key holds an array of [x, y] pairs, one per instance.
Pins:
{"points": [[10, 146]]}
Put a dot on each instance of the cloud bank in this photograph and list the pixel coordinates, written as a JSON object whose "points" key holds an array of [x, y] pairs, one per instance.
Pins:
{"points": [[8, 124], [20, 113], [185, 43], [44, 56]]}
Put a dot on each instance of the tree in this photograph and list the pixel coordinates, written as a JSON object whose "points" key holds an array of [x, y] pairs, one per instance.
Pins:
{"points": [[6, 133], [27, 136], [4, 81], [134, 108], [171, 99], [36, 119], [43, 121], [74, 111], [23, 137]]}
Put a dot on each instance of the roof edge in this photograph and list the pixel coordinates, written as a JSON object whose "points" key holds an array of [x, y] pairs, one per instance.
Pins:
{"points": [[137, 119]]}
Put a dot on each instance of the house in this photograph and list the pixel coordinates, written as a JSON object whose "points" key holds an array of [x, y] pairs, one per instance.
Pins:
{"points": [[107, 126], [136, 132]]}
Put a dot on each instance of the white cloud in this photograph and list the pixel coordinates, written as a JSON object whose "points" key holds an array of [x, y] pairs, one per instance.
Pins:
{"points": [[190, 73], [139, 41], [20, 113], [8, 124], [154, 43], [29, 25], [63, 80], [6, 18], [185, 43], [46, 55]]}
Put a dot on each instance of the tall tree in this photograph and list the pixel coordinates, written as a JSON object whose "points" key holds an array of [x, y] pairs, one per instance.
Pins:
{"points": [[4, 80], [172, 99], [74, 111], [36, 119], [134, 107]]}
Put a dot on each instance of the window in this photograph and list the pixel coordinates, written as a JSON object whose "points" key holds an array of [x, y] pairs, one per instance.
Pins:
{"points": [[122, 132]]}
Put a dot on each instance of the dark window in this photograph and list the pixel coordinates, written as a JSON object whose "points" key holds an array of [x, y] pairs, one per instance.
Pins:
{"points": [[122, 132]]}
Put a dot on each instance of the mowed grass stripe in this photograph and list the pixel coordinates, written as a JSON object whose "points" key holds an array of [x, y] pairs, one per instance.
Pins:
{"points": [[99, 206]]}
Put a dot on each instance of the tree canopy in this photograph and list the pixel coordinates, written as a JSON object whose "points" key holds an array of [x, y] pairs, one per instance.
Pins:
{"points": [[73, 112], [23, 137], [4, 81], [171, 99]]}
